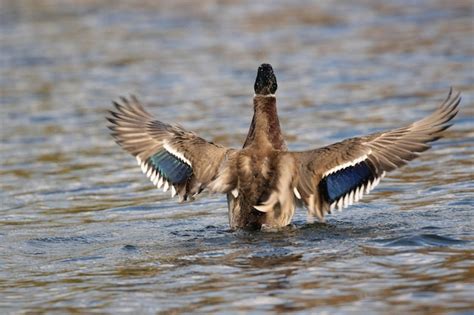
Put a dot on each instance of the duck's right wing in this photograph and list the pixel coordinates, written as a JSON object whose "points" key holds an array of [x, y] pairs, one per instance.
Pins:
{"points": [[170, 156]]}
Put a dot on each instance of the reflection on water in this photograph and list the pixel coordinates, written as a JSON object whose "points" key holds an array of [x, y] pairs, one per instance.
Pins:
{"points": [[82, 229]]}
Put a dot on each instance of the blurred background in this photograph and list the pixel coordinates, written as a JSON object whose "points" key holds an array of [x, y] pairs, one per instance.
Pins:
{"points": [[81, 229]]}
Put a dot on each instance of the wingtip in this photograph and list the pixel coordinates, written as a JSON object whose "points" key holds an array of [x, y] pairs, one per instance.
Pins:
{"points": [[117, 105], [124, 100], [453, 99], [111, 120], [134, 98]]}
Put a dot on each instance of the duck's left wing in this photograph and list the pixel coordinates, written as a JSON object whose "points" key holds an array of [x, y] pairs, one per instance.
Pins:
{"points": [[338, 175], [170, 156]]}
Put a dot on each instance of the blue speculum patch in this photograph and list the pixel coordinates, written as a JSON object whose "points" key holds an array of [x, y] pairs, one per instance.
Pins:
{"points": [[343, 181], [170, 167]]}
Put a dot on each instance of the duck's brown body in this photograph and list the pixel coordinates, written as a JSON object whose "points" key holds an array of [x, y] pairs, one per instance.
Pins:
{"points": [[256, 166], [263, 181]]}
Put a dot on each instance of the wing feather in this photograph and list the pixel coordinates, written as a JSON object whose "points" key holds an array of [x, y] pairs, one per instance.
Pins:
{"points": [[169, 155], [360, 163]]}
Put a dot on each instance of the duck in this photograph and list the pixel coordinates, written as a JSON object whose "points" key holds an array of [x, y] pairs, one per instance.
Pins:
{"points": [[263, 181]]}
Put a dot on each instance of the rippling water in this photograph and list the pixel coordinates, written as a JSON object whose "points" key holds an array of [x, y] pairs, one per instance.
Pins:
{"points": [[83, 230]]}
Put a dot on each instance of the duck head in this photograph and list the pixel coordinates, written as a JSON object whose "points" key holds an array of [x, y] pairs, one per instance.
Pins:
{"points": [[265, 83]]}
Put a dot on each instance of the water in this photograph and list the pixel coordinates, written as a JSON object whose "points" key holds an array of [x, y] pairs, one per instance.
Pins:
{"points": [[83, 230]]}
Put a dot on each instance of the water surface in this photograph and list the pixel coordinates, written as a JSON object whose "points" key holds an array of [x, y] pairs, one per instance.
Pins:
{"points": [[83, 230]]}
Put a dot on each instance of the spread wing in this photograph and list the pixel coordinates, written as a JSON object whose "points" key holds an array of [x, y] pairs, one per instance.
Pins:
{"points": [[170, 156], [340, 174]]}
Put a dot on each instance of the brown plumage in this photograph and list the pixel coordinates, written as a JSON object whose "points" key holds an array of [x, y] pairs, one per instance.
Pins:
{"points": [[263, 180]]}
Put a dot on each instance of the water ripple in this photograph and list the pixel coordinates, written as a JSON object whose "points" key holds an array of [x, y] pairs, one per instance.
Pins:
{"points": [[421, 240], [82, 231]]}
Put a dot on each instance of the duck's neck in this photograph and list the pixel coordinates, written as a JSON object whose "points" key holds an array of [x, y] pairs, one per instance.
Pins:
{"points": [[265, 127]]}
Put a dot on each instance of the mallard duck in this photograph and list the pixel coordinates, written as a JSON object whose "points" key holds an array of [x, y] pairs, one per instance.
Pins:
{"points": [[264, 181]]}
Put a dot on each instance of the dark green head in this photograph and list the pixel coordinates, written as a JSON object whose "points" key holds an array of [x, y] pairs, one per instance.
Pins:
{"points": [[266, 82]]}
